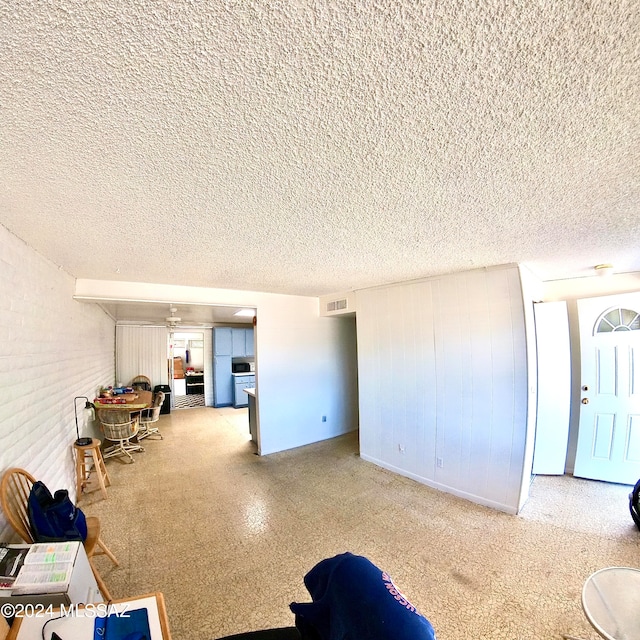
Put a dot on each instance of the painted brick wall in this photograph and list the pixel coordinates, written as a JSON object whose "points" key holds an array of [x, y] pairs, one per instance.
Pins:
{"points": [[52, 348]]}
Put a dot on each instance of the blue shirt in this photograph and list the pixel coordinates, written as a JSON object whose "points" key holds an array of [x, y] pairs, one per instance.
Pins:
{"points": [[354, 600]]}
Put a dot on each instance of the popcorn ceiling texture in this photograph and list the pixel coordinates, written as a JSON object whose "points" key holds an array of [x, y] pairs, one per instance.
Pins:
{"points": [[319, 146]]}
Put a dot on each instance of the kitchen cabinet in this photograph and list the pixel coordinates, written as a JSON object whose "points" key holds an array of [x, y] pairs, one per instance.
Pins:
{"points": [[228, 342], [222, 341], [249, 342], [239, 343], [242, 343], [240, 398], [222, 381]]}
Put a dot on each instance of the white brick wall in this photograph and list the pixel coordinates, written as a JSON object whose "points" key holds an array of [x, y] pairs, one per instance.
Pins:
{"points": [[52, 349]]}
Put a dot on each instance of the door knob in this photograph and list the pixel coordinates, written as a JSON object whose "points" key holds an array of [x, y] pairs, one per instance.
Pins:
{"points": [[585, 400]]}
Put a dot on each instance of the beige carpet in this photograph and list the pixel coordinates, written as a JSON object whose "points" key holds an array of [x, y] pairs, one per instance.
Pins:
{"points": [[227, 536]]}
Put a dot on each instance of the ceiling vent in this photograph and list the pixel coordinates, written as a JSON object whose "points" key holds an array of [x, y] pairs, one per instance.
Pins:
{"points": [[337, 305]]}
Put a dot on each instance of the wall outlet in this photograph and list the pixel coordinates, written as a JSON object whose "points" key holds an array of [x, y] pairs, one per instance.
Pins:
{"points": [[324, 418], [439, 463]]}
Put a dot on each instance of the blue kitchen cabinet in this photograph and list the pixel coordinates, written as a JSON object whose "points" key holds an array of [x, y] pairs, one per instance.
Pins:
{"points": [[228, 343], [222, 381], [248, 336], [239, 343], [240, 398], [242, 340], [223, 342]]}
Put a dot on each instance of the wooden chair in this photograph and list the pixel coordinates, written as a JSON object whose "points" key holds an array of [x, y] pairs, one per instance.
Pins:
{"points": [[141, 382], [150, 416], [14, 495]]}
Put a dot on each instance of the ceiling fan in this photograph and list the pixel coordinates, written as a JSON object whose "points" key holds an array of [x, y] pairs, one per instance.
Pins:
{"points": [[172, 320]]}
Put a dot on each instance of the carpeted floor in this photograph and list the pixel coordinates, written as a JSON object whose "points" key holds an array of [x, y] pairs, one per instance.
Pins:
{"points": [[227, 536]]}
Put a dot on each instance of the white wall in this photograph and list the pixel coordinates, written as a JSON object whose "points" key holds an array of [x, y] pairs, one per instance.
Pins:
{"points": [[302, 360], [141, 351], [442, 367], [397, 377], [532, 291], [52, 349]]}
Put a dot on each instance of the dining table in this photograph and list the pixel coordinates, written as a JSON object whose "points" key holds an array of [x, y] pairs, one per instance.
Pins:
{"points": [[133, 402], [119, 416]]}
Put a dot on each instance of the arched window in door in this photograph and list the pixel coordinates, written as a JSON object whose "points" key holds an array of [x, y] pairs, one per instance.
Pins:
{"points": [[618, 320]]}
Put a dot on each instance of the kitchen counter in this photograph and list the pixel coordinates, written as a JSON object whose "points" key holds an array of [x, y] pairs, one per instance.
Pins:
{"points": [[246, 373], [253, 416]]}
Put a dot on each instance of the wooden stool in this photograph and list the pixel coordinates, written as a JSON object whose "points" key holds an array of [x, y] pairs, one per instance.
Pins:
{"points": [[82, 468]]}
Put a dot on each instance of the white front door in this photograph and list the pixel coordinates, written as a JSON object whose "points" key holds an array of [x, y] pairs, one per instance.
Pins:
{"points": [[609, 431]]}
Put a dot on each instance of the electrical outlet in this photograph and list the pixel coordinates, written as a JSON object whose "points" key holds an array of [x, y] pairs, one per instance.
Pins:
{"points": [[439, 463], [324, 418]]}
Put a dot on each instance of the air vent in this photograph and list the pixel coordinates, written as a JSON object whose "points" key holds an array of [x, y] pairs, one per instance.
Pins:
{"points": [[337, 305]]}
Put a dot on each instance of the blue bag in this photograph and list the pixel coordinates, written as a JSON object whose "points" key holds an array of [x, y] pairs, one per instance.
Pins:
{"points": [[54, 518], [634, 504]]}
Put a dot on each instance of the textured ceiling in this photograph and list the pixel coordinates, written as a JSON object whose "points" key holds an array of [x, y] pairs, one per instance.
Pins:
{"points": [[318, 146]]}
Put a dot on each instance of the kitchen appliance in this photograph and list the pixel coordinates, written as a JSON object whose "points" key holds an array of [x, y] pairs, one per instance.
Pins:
{"points": [[241, 367]]}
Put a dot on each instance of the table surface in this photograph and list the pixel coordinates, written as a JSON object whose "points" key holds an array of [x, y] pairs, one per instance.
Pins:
{"points": [[143, 401], [611, 602], [80, 625]]}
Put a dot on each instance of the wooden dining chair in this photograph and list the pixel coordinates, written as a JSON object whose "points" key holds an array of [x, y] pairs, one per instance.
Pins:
{"points": [[141, 382], [4, 628], [14, 496]]}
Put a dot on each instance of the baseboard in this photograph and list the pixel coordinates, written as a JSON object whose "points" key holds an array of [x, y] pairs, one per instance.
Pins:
{"points": [[499, 506]]}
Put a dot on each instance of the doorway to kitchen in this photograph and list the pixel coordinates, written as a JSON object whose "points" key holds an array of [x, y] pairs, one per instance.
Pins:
{"points": [[186, 358]]}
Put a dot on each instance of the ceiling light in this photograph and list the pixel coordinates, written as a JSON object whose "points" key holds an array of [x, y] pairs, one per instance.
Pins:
{"points": [[604, 269], [245, 313]]}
